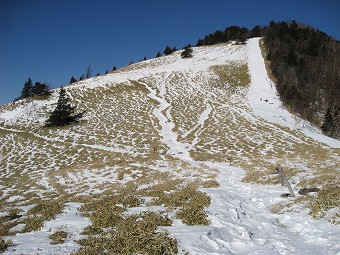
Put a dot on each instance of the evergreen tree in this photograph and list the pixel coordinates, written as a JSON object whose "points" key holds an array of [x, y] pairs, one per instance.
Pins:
{"points": [[144, 58], [63, 113], [158, 54], [114, 68], [167, 51], [107, 71], [98, 74], [27, 89], [327, 126], [187, 53], [82, 77], [40, 89], [88, 72], [73, 80], [174, 49]]}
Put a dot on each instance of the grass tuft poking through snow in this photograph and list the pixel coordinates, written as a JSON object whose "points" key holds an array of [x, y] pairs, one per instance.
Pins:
{"points": [[154, 167]]}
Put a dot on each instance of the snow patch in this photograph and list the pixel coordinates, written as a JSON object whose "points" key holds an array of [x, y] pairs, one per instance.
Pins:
{"points": [[38, 242]]}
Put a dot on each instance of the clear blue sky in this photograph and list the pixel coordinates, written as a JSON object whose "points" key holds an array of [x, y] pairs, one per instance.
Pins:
{"points": [[52, 40]]}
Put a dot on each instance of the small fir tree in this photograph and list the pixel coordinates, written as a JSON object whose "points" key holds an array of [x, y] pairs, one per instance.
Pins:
{"points": [[73, 80], [107, 71], [27, 89], [63, 113], [88, 72], [187, 52], [114, 68], [40, 89], [328, 126], [158, 54], [167, 51]]}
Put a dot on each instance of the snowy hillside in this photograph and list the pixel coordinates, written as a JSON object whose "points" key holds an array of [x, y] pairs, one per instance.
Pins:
{"points": [[173, 156]]}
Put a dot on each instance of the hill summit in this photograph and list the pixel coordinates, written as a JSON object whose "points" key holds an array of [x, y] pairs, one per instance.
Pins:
{"points": [[156, 163]]}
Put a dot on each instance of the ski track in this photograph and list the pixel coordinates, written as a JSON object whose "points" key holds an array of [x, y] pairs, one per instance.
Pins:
{"points": [[241, 222]]}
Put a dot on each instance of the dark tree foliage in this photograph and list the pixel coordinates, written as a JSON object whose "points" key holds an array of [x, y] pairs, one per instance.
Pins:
{"points": [[27, 89], [144, 59], [158, 54], [232, 33], [82, 77], [187, 52], [328, 127], [98, 74], [40, 89], [88, 72], [167, 51], [63, 113], [114, 68], [107, 71], [306, 64], [73, 80]]}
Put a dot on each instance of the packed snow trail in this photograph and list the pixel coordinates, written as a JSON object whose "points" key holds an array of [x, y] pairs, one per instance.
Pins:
{"points": [[176, 148], [241, 221]]}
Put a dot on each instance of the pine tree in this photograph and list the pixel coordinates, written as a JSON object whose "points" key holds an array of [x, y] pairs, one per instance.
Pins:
{"points": [[88, 72], [167, 51], [187, 53], [158, 54], [73, 80], [328, 126], [144, 59], [63, 113], [114, 68], [27, 89], [40, 89], [107, 71]]}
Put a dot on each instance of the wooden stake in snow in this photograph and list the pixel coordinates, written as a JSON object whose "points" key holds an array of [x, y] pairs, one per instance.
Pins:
{"points": [[284, 180]]}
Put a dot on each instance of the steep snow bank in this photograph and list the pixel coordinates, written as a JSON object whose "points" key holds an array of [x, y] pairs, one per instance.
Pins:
{"points": [[265, 102]]}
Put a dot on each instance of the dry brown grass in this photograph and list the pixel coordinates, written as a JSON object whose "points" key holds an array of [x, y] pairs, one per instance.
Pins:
{"points": [[4, 244], [327, 199], [59, 237], [42, 211], [120, 116], [135, 234], [190, 201]]}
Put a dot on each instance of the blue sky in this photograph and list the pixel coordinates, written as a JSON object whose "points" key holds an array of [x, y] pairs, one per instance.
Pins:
{"points": [[52, 40]]}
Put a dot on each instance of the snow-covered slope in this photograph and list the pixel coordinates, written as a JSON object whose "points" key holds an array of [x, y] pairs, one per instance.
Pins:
{"points": [[169, 122]]}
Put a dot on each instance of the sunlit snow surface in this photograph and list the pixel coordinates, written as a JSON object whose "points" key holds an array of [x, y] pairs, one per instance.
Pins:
{"points": [[241, 222]]}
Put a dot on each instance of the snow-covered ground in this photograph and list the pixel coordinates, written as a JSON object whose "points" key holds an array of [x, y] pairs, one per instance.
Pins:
{"points": [[38, 242], [241, 221]]}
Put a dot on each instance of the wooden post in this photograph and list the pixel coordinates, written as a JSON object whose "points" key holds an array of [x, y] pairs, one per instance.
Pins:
{"points": [[284, 180]]}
